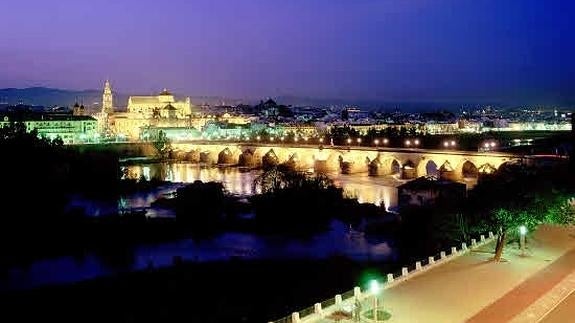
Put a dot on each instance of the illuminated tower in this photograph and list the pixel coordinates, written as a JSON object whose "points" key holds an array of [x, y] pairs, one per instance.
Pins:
{"points": [[107, 103]]}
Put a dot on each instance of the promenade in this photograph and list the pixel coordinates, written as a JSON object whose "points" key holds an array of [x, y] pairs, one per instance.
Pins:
{"points": [[472, 288]]}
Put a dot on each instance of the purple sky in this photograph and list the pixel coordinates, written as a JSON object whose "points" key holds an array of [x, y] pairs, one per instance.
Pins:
{"points": [[389, 50]]}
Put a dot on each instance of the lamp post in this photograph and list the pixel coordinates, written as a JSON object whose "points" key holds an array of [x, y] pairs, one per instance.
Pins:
{"points": [[522, 233], [376, 142], [374, 289]]}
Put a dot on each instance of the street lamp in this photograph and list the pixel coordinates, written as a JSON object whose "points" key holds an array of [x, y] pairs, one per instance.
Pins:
{"points": [[408, 142], [385, 141], [359, 141], [522, 233], [374, 290], [416, 142], [376, 142], [349, 141], [258, 138]]}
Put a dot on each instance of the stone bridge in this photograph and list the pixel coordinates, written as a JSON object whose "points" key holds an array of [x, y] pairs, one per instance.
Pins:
{"points": [[407, 163]]}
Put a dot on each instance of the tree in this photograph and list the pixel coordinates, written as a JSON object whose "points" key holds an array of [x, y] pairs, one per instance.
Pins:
{"points": [[522, 195], [163, 145]]}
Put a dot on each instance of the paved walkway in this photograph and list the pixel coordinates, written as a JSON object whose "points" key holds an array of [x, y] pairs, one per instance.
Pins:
{"points": [[519, 298], [565, 312], [472, 288]]}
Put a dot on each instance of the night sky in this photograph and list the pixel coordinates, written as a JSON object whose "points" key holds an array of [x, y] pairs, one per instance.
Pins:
{"points": [[388, 50]]}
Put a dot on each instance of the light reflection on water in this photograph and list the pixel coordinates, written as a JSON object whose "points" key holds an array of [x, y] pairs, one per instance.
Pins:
{"points": [[222, 247], [366, 189]]}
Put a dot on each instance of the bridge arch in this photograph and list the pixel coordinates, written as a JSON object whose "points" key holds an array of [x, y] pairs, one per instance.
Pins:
{"points": [[487, 169], [193, 156], [226, 157], [428, 167], [270, 159], [384, 165], [468, 170], [247, 159], [446, 171], [408, 170], [207, 157]]}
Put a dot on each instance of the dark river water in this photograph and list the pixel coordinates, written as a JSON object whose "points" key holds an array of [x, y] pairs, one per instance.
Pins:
{"points": [[228, 245]]}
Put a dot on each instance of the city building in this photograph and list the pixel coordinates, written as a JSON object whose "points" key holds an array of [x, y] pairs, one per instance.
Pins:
{"points": [[163, 105], [72, 129]]}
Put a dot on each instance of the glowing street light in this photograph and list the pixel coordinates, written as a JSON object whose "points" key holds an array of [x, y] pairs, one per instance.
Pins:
{"points": [[348, 141], [445, 144], [321, 139], [408, 142], [258, 138], [453, 143], [385, 141], [416, 142], [376, 142], [374, 289], [272, 138], [282, 138], [359, 141], [522, 233]]}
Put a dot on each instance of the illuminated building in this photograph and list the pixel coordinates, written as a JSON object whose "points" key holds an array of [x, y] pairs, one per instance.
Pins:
{"points": [[70, 128], [163, 105], [107, 98]]}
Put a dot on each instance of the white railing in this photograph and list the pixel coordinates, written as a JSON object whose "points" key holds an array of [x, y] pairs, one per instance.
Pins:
{"points": [[345, 302]]}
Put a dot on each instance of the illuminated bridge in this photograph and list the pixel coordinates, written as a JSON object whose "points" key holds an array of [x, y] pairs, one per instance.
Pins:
{"points": [[407, 163]]}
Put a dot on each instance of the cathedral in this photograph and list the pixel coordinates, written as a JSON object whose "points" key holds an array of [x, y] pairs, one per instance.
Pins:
{"points": [[160, 106], [142, 113]]}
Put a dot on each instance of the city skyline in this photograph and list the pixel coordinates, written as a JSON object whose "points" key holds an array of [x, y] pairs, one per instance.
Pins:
{"points": [[437, 51]]}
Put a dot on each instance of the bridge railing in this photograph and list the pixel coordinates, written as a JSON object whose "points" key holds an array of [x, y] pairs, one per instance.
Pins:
{"points": [[345, 302]]}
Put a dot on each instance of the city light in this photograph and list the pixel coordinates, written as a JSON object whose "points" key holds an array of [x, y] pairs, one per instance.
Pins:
{"points": [[374, 287], [449, 143], [416, 142], [385, 141], [258, 138], [408, 142], [522, 233], [349, 140], [359, 140], [376, 142], [272, 138], [321, 139]]}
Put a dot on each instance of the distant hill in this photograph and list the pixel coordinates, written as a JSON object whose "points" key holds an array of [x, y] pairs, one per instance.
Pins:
{"points": [[92, 99], [42, 96]]}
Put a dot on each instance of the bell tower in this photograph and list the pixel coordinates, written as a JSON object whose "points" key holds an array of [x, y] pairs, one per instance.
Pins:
{"points": [[107, 101]]}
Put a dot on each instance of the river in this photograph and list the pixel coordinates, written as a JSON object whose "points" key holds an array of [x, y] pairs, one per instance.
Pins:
{"points": [[225, 246]]}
